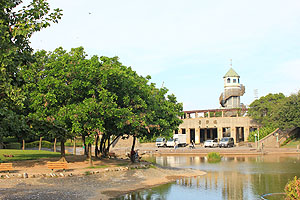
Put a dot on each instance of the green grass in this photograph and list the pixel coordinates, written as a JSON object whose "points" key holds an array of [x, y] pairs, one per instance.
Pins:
{"points": [[25, 155], [98, 166], [213, 157], [122, 164]]}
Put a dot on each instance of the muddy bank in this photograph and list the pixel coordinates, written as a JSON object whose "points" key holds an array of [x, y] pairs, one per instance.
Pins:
{"points": [[106, 183]]}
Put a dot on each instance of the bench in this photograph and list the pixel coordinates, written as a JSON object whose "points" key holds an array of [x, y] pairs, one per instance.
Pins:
{"points": [[6, 167], [9, 156], [57, 165], [112, 155]]}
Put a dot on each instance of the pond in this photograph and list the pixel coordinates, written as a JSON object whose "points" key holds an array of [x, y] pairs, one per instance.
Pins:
{"points": [[234, 178]]}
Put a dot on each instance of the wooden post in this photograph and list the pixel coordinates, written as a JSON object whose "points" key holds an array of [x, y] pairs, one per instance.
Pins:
{"points": [[40, 144], [54, 148], [74, 147], [23, 147]]}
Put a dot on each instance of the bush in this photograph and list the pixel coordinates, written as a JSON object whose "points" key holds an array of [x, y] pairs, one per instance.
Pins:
{"points": [[263, 132], [292, 189], [10, 140], [35, 144], [213, 157], [13, 146]]}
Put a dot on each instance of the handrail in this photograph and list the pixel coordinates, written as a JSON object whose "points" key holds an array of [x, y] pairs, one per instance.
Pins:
{"points": [[269, 194]]}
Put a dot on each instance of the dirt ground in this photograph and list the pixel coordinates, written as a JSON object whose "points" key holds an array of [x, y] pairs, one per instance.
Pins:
{"points": [[110, 178]]}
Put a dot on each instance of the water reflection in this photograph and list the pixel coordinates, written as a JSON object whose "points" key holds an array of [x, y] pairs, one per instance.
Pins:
{"points": [[235, 177]]}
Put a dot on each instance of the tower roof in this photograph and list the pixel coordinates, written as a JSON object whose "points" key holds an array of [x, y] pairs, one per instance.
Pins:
{"points": [[231, 73]]}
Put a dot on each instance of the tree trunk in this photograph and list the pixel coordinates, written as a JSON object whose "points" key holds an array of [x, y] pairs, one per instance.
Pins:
{"points": [[90, 155], [54, 146], [74, 147], [96, 146], [40, 144], [132, 153], [62, 151], [23, 146], [102, 142], [84, 146]]}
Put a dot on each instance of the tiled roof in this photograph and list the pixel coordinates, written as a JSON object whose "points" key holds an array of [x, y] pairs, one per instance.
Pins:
{"points": [[231, 73]]}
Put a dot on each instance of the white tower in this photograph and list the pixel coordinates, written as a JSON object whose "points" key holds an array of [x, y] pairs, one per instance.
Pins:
{"points": [[232, 90]]}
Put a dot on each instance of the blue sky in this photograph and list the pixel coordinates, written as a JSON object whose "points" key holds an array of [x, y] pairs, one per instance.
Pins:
{"points": [[187, 45]]}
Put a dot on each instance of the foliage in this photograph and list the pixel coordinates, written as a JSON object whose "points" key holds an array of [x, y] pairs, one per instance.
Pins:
{"points": [[276, 110], [25, 154], [288, 114], [263, 109], [292, 189], [263, 132], [35, 144], [17, 26], [13, 145], [71, 96], [9, 139], [213, 157]]}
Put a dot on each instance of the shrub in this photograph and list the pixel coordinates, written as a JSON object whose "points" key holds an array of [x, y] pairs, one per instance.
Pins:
{"points": [[213, 157], [292, 189], [10, 140], [13, 146], [263, 132], [35, 144]]}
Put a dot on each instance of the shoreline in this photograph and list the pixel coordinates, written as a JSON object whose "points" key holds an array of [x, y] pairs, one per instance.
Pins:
{"points": [[153, 178], [100, 183]]}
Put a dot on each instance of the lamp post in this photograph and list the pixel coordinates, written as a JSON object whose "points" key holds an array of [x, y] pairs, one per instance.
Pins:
{"points": [[277, 140], [255, 135], [258, 138]]}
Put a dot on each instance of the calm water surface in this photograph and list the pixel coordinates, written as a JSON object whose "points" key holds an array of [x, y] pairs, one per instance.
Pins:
{"points": [[235, 177]]}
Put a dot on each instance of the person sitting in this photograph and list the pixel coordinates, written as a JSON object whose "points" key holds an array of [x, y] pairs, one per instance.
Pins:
{"points": [[192, 145]]}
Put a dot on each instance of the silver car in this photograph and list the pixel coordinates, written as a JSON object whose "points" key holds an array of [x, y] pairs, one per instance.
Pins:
{"points": [[211, 143], [226, 142]]}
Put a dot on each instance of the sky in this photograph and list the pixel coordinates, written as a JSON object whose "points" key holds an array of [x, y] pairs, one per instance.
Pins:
{"points": [[186, 45]]}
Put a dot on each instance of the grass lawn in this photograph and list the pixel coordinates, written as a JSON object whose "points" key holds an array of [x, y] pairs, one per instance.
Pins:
{"points": [[25, 155]]}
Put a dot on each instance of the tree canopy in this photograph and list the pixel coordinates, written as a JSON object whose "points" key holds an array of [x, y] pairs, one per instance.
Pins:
{"points": [[277, 111], [17, 24], [88, 97]]}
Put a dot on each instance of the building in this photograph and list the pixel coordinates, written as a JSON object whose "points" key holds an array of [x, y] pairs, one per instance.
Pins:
{"points": [[228, 121], [233, 90]]}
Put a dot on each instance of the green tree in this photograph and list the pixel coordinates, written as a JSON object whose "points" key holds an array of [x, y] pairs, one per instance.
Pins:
{"points": [[288, 113], [17, 26], [264, 109]]}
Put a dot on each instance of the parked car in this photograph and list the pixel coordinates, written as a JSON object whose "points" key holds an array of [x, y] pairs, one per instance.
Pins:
{"points": [[161, 142], [226, 142], [171, 142], [211, 143]]}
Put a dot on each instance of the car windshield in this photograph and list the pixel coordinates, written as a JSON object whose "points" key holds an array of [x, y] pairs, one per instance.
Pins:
{"points": [[170, 140], [208, 140], [159, 140], [224, 139]]}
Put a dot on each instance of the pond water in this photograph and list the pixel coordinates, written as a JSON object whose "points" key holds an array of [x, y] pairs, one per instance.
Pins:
{"points": [[235, 177]]}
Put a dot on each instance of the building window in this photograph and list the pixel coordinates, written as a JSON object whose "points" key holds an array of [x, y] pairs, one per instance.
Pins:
{"points": [[228, 80], [183, 130], [238, 80], [234, 80], [176, 131]]}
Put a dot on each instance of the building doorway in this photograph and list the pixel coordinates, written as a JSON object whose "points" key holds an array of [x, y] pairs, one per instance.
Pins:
{"points": [[239, 134], [226, 132], [202, 131], [192, 135], [214, 133]]}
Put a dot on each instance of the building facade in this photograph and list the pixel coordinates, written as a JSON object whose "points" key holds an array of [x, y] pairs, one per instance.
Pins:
{"points": [[229, 121], [201, 125]]}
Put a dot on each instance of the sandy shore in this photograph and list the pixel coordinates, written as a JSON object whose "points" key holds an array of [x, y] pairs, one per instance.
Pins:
{"points": [[114, 178]]}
